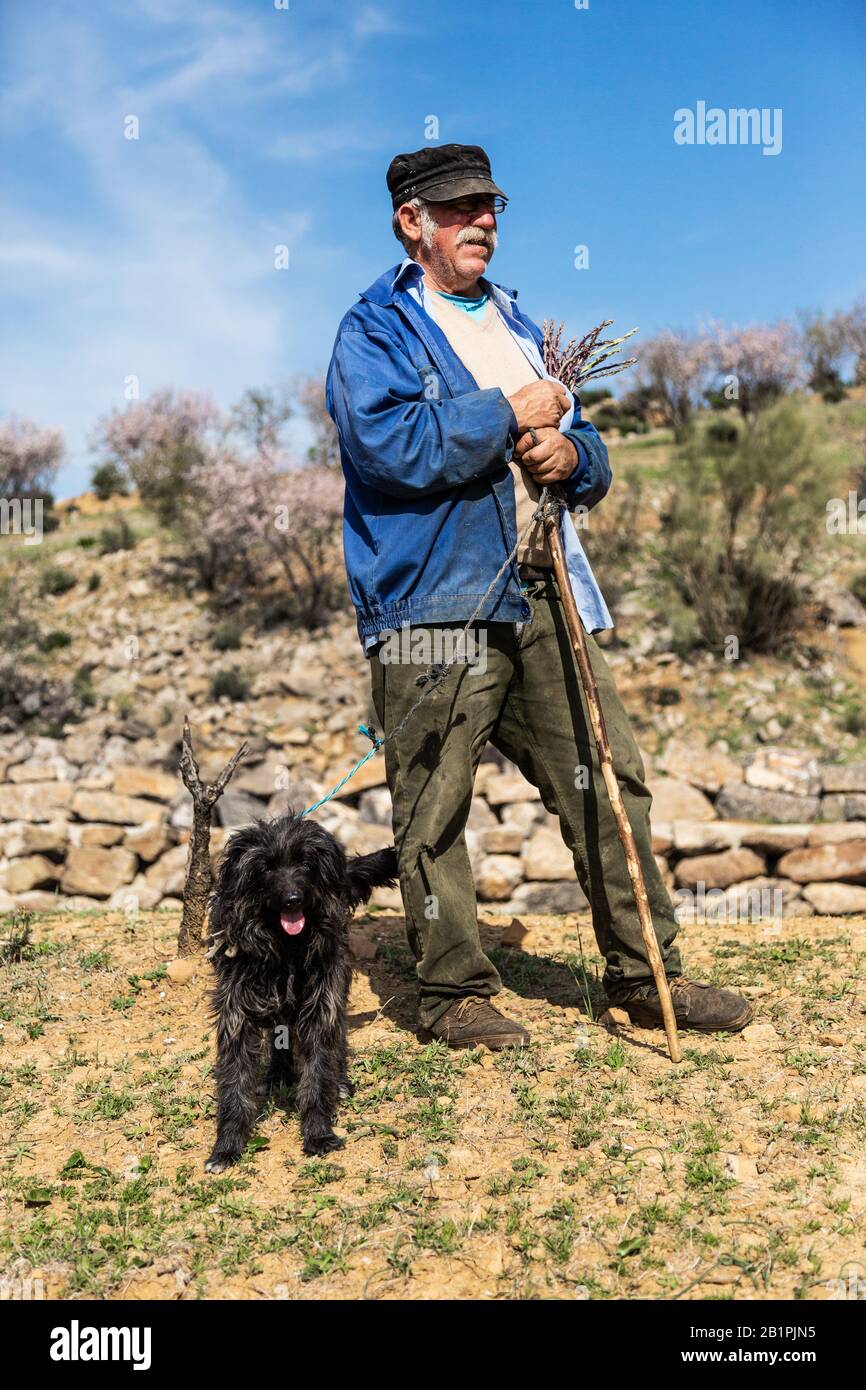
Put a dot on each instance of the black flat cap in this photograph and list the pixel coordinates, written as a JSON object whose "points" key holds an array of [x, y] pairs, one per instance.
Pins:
{"points": [[439, 173]]}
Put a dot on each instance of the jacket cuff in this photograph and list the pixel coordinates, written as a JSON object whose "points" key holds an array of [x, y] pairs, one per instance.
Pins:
{"points": [[582, 459], [577, 480], [512, 436]]}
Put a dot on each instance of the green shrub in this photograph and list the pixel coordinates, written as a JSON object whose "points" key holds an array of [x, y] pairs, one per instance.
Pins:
{"points": [[53, 641], [639, 403], [56, 581], [15, 632], [45, 500], [612, 416], [82, 684], [854, 719], [227, 637], [109, 480], [858, 586], [233, 684], [744, 517], [118, 536], [827, 382], [607, 418], [277, 612], [685, 632], [611, 537], [31, 699], [94, 582], [717, 400]]}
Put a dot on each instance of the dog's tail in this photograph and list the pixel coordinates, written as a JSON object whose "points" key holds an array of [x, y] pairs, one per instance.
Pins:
{"points": [[368, 871]]}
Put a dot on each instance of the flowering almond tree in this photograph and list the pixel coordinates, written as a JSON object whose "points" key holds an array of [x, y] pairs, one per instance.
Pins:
{"points": [[161, 443], [248, 516], [760, 363], [30, 455], [674, 371], [233, 493], [826, 344]]}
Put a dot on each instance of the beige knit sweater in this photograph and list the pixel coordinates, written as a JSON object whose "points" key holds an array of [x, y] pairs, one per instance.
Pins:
{"points": [[487, 350]]}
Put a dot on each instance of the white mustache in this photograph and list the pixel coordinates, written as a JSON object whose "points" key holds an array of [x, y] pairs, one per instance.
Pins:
{"points": [[476, 236]]}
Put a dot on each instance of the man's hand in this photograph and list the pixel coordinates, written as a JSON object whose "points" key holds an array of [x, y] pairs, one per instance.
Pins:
{"points": [[551, 460], [541, 404]]}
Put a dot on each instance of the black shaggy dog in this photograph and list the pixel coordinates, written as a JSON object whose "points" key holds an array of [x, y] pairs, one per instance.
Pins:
{"points": [[284, 896]]}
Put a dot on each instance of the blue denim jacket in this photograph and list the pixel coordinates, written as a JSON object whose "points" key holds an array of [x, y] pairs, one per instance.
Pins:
{"points": [[429, 513]]}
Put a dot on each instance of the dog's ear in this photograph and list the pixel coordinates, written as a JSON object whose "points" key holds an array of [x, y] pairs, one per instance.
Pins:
{"points": [[365, 872], [234, 901]]}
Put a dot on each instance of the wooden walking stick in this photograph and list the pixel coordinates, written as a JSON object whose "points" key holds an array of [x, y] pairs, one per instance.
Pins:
{"points": [[623, 825]]}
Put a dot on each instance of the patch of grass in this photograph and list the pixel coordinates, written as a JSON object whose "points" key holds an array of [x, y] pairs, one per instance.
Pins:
{"points": [[108, 1104], [318, 1173], [94, 960], [704, 1172], [16, 945], [442, 1237], [526, 1173]]}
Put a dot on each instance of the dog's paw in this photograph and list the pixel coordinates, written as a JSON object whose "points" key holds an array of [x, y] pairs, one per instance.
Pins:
{"points": [[347, 1089], [218, 1162], [320, 1144]]}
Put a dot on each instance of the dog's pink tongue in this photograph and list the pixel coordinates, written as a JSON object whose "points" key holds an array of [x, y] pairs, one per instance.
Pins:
{"points": [[292, 922]]}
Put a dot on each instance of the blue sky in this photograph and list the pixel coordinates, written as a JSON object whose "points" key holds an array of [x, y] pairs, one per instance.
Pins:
{"points": [[155, 257]]}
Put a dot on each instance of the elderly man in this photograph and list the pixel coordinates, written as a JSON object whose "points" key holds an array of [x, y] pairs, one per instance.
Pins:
{"points": [[449, 427]]}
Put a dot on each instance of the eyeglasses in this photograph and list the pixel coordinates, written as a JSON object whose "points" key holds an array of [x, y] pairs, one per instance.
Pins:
{"points": [[472, 207]]}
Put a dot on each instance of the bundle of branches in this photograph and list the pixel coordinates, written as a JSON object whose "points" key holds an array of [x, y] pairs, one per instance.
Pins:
{"points": [[585, 360]]}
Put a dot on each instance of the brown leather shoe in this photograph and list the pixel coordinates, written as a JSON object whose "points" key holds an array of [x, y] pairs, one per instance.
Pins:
{"points": [[704, 1008], [473, 1021]]}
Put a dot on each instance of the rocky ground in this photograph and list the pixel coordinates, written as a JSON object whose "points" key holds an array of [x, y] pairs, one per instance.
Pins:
{"points": [[585, 1167]]}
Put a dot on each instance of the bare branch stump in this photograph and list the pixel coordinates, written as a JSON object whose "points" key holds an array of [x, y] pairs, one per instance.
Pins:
{"points": [[199, 877]]}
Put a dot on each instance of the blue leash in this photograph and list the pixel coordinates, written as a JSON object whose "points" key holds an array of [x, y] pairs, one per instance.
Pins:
{"points": [[377, 744]]}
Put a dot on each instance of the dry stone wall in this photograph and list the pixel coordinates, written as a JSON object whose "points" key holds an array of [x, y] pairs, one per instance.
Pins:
{"points": [[100, 817]]}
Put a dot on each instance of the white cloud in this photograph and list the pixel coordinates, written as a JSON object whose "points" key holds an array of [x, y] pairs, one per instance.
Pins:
{"points": [[28, 253], [373, 20], [309, 146], [161, 266]]}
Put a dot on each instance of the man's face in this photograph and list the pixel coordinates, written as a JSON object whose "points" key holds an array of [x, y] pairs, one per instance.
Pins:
{"points": [[457, 238]]}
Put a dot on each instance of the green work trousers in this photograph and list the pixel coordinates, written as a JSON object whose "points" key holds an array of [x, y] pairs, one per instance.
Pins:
{"points": [[522, 692]]}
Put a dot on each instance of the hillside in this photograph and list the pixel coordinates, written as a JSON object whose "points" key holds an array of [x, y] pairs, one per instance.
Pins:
{"points": [[758, 766]]}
